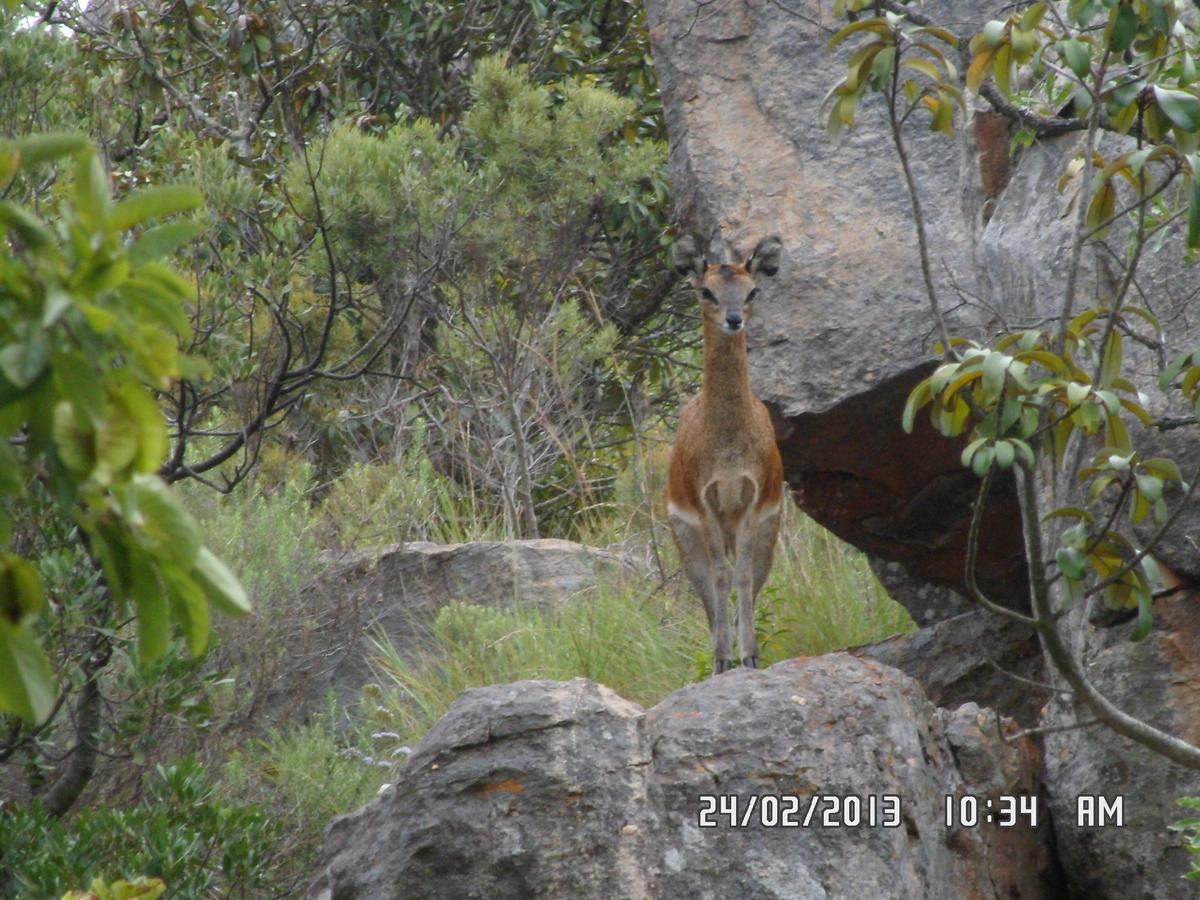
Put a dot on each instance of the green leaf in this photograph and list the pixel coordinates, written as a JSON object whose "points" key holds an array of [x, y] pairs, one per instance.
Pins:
{"points": [[1004, 454], [879, 26], [1071, 562], [993, 32], [1077, 57], [1164, 467], [26, 226], [73, 440], [40, 148], [982, 461], [1181, 107], [969, 451], [23, 362], [1112, 359], [139, 408], [1123, 28], [1145, 618], [21, 597], [190, 608], [151, 606], [159, 522], [1193, 231], [1170, 372], [1150, 487], [1069, 512], [994, 367], [220, 584], [92, 192], [153, 203], [162, 240], [917, 398], [26, 682]]}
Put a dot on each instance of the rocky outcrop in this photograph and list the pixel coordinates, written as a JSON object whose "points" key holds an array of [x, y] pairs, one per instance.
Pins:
{"points": [[553, 789], [844, 333], [397, 590], [970, 658]]}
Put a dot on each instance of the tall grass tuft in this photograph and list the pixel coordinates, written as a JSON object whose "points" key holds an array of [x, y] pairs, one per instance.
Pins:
{"points": [[642, 642]]}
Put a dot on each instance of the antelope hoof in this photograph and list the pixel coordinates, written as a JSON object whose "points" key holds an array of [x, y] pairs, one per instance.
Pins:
{"points": [[750, 662], [723, 665]]}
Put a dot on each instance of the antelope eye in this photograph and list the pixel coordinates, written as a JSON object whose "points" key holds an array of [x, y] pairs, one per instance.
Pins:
{"points": [[708, 295], [750, 297]]}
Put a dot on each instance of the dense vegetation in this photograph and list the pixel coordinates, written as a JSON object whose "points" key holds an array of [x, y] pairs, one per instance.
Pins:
{"points": [[285, 278]]}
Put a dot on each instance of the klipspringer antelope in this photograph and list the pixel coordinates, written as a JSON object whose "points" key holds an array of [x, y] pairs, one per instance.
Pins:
{"points": [[725, 482]]}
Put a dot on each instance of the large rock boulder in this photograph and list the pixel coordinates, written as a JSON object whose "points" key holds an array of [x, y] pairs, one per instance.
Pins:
{"points": [[844, 332], [551, 789], [398, 589]]}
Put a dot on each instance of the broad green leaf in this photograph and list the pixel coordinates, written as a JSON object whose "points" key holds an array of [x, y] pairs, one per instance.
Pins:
{"points": [[140, 409], [879, 26], [162, 240], [1170, 372], [159, 522], [1164, 468], [1150, 487], [153, 610], [40, 148], [92, 193], [1123, 28], [1181, 107], [26, 226], [190, 608], [1069, 512], [1071, 562], [220, 584], [24, 361], [74, 441], [982, 461], [153, 203], [1077, 57], [26, 681], [993, 32], [1112, 359], [994, 368], [1193, 230], [917, 398], [1004, 454], [21, 598]]}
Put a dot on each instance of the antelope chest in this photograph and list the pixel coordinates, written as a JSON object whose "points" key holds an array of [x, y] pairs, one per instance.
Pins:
{"points": [[730, 493]]}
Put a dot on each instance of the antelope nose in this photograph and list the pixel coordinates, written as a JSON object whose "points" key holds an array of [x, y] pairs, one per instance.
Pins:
{"points": [[734, 321]]}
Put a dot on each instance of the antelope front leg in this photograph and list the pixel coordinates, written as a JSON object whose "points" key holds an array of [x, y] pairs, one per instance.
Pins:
{"points": [[703, 558], [746, 584]]}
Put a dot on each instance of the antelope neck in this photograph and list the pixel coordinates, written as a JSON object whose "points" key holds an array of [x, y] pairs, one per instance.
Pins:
{"points": [[726, 386]]}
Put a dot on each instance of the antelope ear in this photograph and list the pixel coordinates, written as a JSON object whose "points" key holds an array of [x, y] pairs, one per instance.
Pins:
{"points": [[686, 258], [765, 257]]}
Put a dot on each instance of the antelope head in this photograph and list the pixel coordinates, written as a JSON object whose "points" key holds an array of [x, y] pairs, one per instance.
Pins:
{"points": [[725, 282]]}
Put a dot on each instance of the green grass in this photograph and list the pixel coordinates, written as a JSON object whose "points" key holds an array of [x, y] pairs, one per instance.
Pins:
{"points": [[642, 640], [302, 777]]}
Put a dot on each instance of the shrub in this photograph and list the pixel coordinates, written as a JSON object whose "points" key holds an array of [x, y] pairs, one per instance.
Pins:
{"points": [[182, 833]]}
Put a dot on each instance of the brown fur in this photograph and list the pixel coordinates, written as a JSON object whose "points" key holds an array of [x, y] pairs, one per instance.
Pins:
{"points": [[725, 481]]}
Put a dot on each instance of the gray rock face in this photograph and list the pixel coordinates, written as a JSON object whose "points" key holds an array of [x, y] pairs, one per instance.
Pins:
{"points": [[844, 332], [400, 588], [550, 789], [967, 659], [1159, 680]]}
